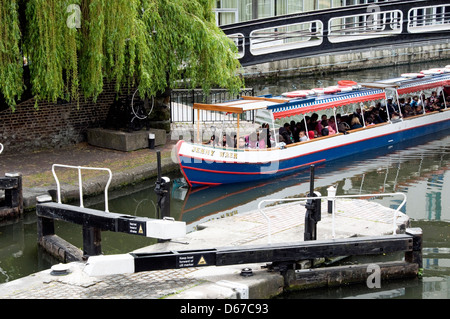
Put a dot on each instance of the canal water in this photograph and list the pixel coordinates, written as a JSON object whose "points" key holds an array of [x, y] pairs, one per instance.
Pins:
{"points": [[419, 168]]}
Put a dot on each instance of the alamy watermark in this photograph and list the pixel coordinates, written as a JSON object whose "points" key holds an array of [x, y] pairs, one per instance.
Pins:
{"points": [[74, 19], [374, 279]]}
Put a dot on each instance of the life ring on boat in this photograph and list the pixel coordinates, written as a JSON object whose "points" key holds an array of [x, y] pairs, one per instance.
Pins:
{"points": [[296, 94], [412, 75], [347, 83], [430, 72]]}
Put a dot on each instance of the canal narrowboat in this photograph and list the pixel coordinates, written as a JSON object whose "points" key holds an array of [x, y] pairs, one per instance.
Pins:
{"points": [[257, 151]]}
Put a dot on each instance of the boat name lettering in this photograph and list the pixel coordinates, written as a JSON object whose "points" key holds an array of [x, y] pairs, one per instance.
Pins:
{"points": [[228, 155], [210, 152], [200, 150]]}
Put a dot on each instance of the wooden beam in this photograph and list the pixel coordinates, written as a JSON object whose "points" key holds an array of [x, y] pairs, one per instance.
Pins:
{"points": [[220, 108]]}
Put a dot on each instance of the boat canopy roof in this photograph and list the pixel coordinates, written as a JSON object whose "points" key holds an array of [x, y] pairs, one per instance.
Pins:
{"points": [[246, 103], [283, 106]]}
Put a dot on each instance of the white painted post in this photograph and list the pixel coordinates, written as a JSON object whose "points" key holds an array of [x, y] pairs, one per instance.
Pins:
{"points": [[331, 196]]}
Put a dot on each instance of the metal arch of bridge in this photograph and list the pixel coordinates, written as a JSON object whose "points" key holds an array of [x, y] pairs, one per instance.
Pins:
{"points": [[366, 31]]}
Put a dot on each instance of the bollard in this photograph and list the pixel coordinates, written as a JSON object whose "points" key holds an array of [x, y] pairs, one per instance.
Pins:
{"points": [[151, 141]]}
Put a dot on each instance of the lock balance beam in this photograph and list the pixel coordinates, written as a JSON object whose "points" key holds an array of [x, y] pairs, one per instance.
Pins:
{"points": [[283, 252], [165, 229]]}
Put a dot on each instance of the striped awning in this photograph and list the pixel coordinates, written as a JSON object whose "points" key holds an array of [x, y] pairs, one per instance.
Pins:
{"points": [[320, 103]]}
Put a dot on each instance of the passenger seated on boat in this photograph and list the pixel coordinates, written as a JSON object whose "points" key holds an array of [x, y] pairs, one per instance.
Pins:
{"points": [[241, 143], [357, 113], [212, 141], [311, 134], [342, 126], [286, 133], [253, 140], [414, 101], [286, 138], [434, 98], [419, 109], [302, 136], [408, 111], [376, 116], [402, 103], [224, 140], [332, 123], [293, 128], [313, 121], [228, 141], [326, 129], [392, 109], [369, 121], [320, 126], [355, 123], [434, 107], [428, 107], [296, 133], [381, 112]]}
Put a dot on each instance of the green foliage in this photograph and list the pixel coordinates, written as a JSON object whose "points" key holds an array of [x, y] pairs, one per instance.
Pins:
{"points": [[151, 44], [11, 61]]}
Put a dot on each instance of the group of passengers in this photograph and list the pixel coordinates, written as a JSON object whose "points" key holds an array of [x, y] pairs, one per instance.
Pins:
{"points": [[420, 104], [294, 132]]}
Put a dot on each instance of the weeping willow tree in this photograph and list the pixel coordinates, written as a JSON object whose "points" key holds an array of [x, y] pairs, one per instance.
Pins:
{"points": [[149, 44], [11, 60]]}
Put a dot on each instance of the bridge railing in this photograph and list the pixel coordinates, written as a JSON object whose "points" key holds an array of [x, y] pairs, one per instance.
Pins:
{"points": [[339, 29]]}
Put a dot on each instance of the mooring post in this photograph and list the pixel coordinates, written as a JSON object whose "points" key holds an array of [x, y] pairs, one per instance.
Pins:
{"points": [[162, 190], [415, 256]]}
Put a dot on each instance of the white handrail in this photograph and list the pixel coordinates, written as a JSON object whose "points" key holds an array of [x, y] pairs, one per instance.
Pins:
{"points": [[332, 198], [1, 148], [80, 182]]}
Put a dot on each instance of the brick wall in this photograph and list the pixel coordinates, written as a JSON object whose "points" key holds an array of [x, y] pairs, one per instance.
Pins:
{"points": [[52, 125]]}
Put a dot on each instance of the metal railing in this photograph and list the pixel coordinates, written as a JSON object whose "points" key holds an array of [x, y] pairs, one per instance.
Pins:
{"points": [[333, 199], [182, 101], [80, 182]]}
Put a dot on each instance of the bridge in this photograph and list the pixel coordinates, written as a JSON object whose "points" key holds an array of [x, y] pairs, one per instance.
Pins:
{"points": [[331, 31]]}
